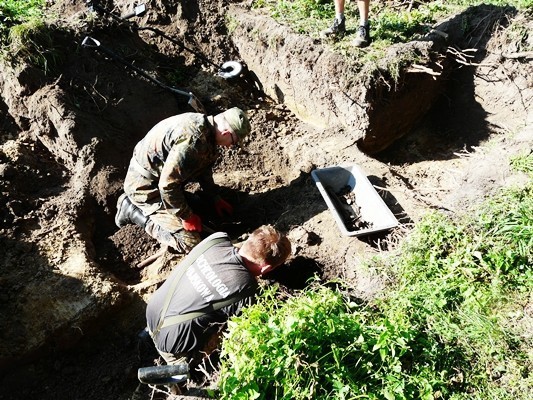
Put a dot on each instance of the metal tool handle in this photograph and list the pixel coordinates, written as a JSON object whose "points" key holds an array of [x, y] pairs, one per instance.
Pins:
{"points": [[163, 374], [228, 70]]}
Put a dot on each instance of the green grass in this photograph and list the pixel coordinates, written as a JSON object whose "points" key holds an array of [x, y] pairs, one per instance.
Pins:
{"points": [[451, 326], [32, 42], [459, 282], [25, 35], [16, 12], [523, 163]]}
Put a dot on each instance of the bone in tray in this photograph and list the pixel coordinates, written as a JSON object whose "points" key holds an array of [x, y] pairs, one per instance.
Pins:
{"points": [[345, 203]]}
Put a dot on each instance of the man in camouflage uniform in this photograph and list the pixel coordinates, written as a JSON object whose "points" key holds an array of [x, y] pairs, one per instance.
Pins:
{"points": [[177, 150]]}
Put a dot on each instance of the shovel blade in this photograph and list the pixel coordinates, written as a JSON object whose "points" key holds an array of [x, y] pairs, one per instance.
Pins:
{"points": [[137, 12], [140, 9], [90, 42], [195, 104]]}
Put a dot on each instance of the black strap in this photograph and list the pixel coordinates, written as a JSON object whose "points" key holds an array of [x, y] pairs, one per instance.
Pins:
{"points": [[178, 319], [183, 266]]}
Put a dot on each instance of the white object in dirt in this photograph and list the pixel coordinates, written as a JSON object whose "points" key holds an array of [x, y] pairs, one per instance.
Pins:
{"points": [[373, 209]]}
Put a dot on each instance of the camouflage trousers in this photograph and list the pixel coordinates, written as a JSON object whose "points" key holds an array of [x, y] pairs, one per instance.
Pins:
{"points": [[173, 359], [162, 224]]}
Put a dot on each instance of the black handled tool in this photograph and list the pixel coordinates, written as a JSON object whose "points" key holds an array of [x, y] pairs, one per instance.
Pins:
{"points": [[193, 101], [163, 374], [228, 70]]}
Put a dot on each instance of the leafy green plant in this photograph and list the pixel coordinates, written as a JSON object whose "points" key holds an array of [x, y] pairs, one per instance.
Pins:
{"points": [[458, 281], [300, 9], [231, 24], [401, 26], [320, 346]]}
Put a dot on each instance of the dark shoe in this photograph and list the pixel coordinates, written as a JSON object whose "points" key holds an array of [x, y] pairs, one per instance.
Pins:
{"points": [[128, 213], [338, 28], [144, 335], [363, 37], [121, 217]]}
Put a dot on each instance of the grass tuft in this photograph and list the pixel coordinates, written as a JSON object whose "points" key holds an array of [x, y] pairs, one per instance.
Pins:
{"points": [[24, 34], [523, 163]]}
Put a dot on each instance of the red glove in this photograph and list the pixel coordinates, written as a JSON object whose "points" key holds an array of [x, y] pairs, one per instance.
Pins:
{"points": [[222, 207], [193, 223]]}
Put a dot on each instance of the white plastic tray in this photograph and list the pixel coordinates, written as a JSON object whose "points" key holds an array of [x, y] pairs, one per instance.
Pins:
{"points": [[372, 207]]}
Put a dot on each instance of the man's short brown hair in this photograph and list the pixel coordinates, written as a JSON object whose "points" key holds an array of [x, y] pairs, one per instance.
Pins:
{"points": [[267, 245]]}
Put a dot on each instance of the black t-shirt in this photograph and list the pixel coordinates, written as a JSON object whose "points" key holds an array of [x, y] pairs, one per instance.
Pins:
{"points": [[217, 274]]}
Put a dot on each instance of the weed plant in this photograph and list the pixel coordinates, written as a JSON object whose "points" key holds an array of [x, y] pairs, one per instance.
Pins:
{"points": [[315, 346], [452, 326], [460, 282]]}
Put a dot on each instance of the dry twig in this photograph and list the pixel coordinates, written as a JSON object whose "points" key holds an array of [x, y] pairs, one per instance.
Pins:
{"points": [[423, 69], [462, 57]]}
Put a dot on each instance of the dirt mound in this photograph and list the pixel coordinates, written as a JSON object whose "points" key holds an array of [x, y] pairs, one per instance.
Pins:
{"points": [[73, 294]]}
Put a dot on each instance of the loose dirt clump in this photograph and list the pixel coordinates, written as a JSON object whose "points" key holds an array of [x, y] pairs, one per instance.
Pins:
{"points": [[74, 287]]}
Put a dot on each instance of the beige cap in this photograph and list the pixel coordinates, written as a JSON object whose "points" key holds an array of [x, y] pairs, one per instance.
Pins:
{"points": [[238, 122]]}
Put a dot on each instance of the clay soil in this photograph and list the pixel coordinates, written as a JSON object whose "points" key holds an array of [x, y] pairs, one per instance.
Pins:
{"points": [[72, 292]]}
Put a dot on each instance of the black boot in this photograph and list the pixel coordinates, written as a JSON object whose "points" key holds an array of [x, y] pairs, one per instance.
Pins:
{"points": [[363, 36], [337, 28], [129, 213]]}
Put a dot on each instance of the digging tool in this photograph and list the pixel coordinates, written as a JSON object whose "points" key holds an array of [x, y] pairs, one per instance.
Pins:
{"points": [[137, 12], [163, 374], [95, 44], [228, 70], [151, 259]]}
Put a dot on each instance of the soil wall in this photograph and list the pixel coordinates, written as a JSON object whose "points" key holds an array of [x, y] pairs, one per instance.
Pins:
{"points": [[331, 91]]}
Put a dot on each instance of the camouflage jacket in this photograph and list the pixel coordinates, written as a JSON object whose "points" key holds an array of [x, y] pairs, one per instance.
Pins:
{"points": [[177, 150]]}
